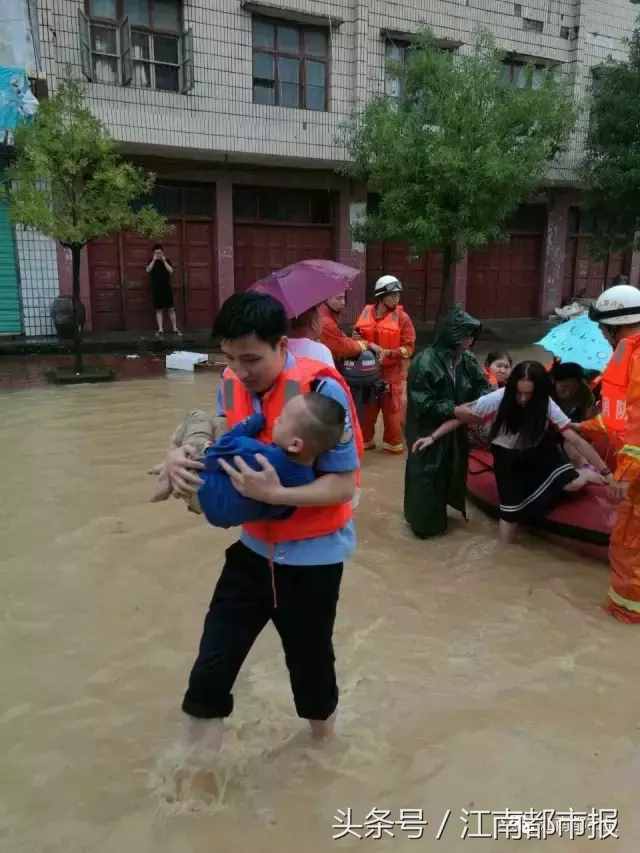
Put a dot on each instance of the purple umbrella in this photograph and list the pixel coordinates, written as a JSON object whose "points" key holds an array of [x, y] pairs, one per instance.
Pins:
{"points": [[305, 284]]}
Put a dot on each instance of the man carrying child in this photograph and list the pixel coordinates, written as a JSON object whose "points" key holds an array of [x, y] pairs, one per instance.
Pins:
{"points": [[287, 571]]}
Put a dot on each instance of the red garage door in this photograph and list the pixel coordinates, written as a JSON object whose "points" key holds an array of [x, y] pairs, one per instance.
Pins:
{"points": [[120, 292], [583, 274], [274, 228], [107, 308], [421, 276], [504, 279]]}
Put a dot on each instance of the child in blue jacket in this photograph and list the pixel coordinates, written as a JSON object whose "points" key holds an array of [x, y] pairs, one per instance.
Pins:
{"points": [[309, 425]]}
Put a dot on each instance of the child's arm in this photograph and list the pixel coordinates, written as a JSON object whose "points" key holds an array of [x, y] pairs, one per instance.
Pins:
{"points": [[427, 440]]}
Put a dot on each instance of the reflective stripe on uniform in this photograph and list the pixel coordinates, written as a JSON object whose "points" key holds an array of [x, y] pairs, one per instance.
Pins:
{"points": [[228, 395], [631, 450], [627, 603]]}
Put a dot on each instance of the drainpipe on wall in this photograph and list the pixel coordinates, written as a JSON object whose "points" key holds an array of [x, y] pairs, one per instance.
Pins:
{"points": [[555, 243], [634, 271], [353, 200], [361, 19]]}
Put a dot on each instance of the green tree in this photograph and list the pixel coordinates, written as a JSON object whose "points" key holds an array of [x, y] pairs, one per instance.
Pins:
{"points": [[611, 170], [454, 155], [69, 182]]}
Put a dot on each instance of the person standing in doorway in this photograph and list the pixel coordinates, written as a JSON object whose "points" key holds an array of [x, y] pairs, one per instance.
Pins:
{"points": [[387, 325], [160, 271]]}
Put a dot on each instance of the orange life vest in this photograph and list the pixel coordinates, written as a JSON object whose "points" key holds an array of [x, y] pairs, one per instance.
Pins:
{"points": [[491, 377], [615, 383], [305, 522], [387, 333], [384, 332]]}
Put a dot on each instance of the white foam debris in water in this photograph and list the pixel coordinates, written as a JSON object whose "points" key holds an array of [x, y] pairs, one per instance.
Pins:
{"points": [[191, 778], [183, 783]]}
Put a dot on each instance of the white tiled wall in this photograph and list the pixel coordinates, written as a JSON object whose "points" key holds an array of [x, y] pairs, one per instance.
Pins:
{"points": [[218, 116]]}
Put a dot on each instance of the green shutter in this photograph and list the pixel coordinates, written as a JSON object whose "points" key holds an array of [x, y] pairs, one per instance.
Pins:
{"points": [[10, 323]]}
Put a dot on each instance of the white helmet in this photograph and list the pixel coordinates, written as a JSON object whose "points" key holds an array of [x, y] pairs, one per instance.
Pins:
{"points": [[387, 284], [617, 306]]}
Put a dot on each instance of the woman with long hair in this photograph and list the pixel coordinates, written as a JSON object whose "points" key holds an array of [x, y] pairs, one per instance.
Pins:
{"points": [[528, 430]]}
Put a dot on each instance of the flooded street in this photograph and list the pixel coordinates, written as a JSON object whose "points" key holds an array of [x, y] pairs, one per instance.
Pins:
{"points": [[472, 676]]}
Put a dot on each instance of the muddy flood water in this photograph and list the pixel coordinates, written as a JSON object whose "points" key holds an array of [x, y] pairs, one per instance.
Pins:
{"points": [[472, 676]]}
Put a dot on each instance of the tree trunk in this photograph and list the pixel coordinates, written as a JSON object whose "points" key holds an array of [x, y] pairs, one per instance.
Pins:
{"points": [[449, 255], [77, 314]]}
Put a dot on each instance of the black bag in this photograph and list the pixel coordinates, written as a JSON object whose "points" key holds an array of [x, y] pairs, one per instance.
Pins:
{"points": [[363, 377], [62, 316]]}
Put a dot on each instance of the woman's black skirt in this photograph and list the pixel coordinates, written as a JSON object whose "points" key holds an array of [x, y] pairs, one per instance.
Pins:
{"points": [[531, 481]]}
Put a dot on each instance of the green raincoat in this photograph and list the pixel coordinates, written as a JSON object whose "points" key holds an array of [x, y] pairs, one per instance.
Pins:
{"points": [[437, 476]]}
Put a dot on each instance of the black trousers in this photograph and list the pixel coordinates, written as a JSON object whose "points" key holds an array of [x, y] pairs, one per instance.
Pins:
{"points": [[242, 604]]}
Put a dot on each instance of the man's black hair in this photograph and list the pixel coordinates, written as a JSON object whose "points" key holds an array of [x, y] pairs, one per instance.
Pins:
{"points": [[251, 313], [498, 355], [157, 246], [568, 370]]}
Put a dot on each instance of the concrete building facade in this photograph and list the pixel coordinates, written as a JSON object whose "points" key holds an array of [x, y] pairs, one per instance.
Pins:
{"points": [[237, 107]]}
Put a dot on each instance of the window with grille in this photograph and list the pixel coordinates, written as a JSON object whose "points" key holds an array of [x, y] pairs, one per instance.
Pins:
{"points": [[524, 76], [290, 65], [265, 204], [136, 42], [395, 53], [532, 25]]}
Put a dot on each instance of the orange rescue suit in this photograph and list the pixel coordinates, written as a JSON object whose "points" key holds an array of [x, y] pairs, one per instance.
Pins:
{"points": [[620, 422], [395, 333], [332, 336], [306, 522]]}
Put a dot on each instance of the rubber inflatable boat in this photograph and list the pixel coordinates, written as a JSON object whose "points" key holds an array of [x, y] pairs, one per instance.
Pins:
{"points": [[581, 522]]}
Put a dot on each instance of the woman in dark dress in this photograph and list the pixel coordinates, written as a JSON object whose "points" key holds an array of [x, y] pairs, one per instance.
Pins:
{"points": [[529, 438], [160, 272]]}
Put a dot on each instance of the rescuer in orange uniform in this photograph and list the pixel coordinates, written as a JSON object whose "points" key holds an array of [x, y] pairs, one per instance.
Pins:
{"points": [[332, 336], [618, 313], [388, 325]]}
